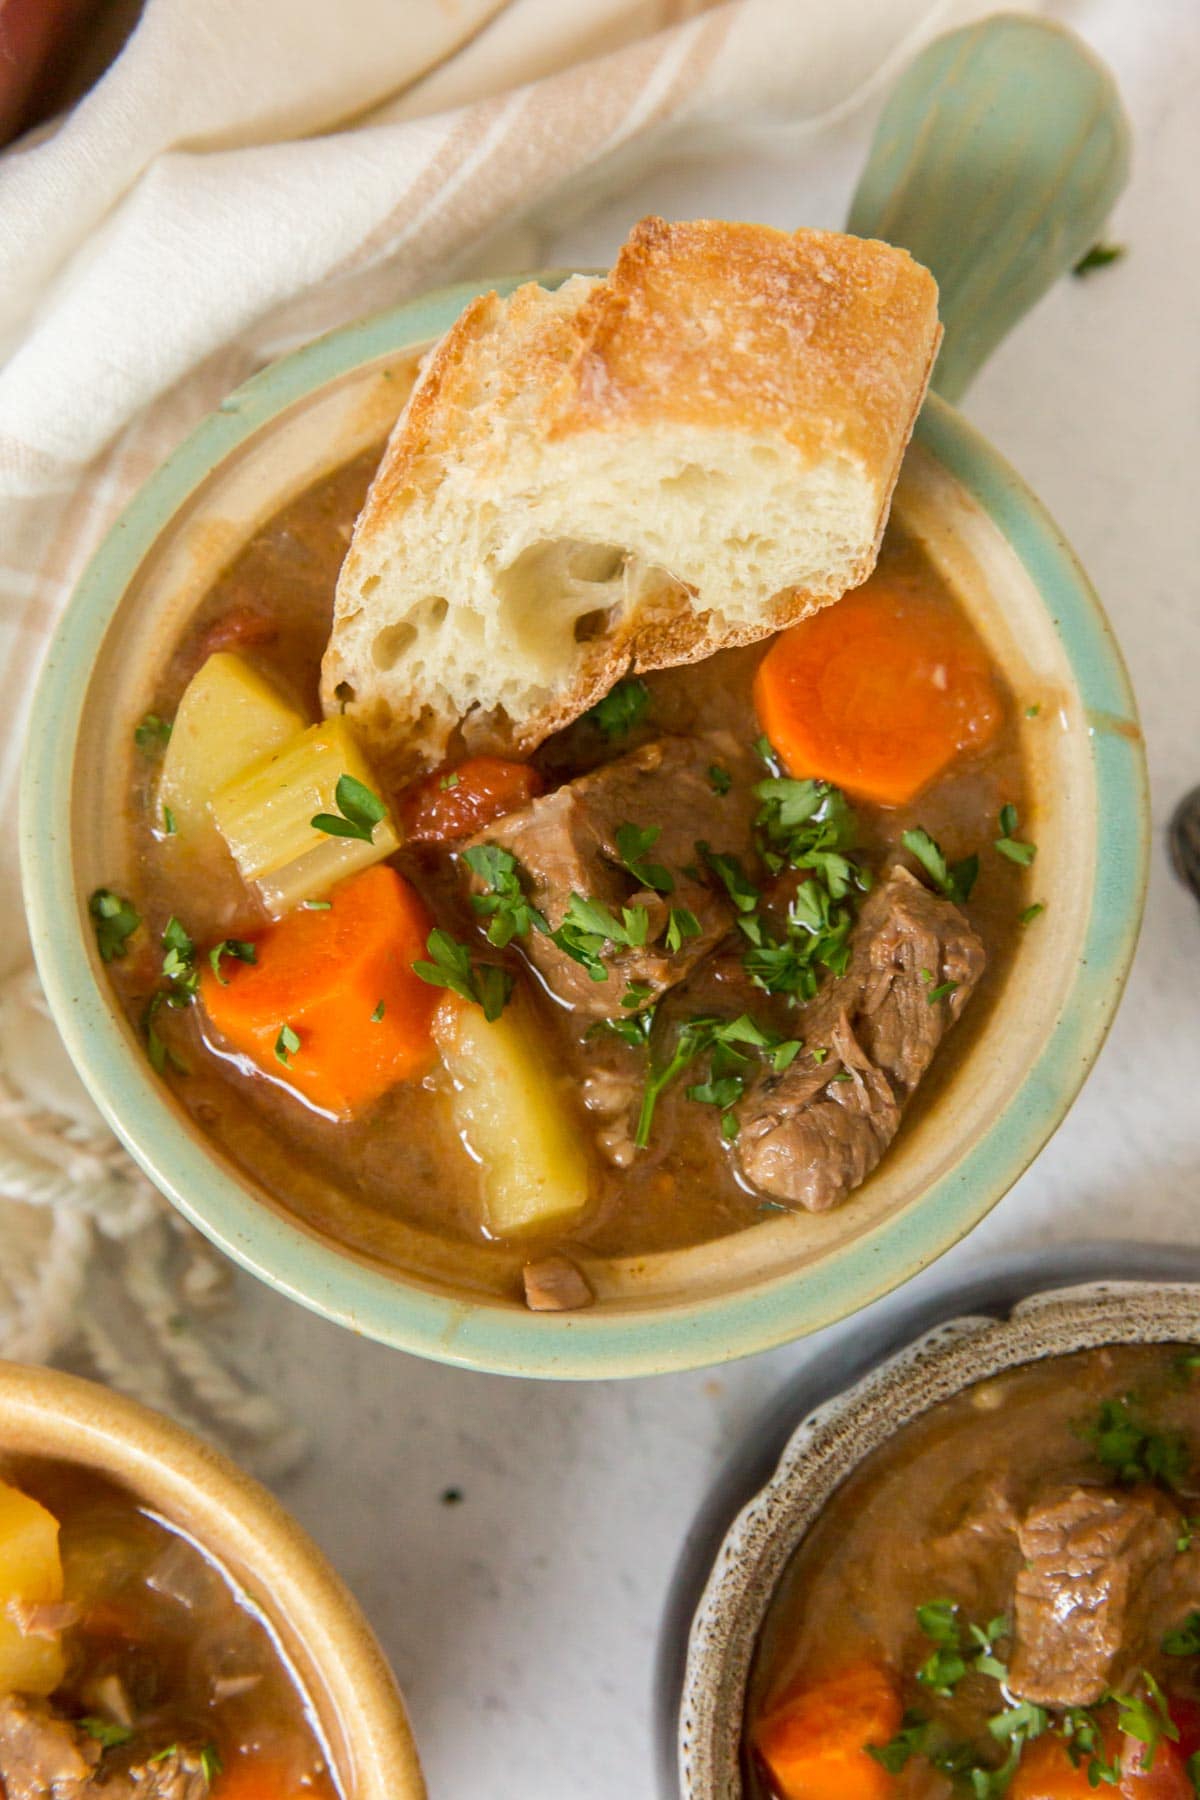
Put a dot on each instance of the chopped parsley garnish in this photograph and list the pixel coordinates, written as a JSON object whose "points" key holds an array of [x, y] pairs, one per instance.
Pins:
{"points": [[1032, 711], [152, 734], [733, 878], [158, 1053], [286, 1044], [633, 1028], [1184, 1640], [107, 1732], [179, 964], [1098, 257], [958, 1647], [359, 811], [1032, 912], [768, 755], [632, 844], [378, 1013], [449, 781], [238, 948], [719, 779], [623, 707], [1132, 1450], [168, 821], [210, 1763], [955, 880], [681, 925], [1010, 846], [504, 905], [941, 992], [588, 925], [910, 1740], [450, 966], [316, 905], [1144, 1716], [727, 1043], [115, 920]]}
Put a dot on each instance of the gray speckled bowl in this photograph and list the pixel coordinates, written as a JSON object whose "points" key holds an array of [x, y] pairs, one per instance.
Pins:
{"points": [[947, 1357]]}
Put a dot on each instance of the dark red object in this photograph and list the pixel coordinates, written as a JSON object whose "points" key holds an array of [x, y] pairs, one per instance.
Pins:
{"points": [[456, 801]]}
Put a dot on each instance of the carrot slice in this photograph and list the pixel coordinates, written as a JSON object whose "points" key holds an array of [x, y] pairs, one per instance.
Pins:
{"points": [[878, 693], [455, 801], [254, 1778], [814, 1742], [1046, 1772], [331, 1006]]}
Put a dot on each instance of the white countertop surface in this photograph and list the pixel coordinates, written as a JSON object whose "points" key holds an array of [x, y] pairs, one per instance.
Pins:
{"points": [[522, 1621]]}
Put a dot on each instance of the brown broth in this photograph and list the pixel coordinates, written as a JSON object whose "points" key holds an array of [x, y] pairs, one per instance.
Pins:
{"points": [[398, 1168], [892, 1537]]}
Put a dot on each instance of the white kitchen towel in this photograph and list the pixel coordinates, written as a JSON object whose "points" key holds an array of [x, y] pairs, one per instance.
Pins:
{"points": [[250, 173]]}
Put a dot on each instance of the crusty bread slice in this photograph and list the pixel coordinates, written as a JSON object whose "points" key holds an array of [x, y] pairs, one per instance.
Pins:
{"points": [[625, 474]]}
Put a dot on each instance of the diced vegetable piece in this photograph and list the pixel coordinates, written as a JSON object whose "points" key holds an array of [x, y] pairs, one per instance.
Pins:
{"points": [[331, 1006], [265, 816], [878, 693], [30, 1573], [229, 717], [512, 1112], [255, 1778], [814, 1742], [454, 802]]}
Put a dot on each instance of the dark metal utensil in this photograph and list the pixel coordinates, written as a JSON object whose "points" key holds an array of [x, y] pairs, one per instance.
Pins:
{"points": [[1184, 839]]}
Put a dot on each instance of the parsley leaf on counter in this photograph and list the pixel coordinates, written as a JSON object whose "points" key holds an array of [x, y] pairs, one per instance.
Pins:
{"points": [[115, 920], [1098, 257], [623, 707], [359, 811]]}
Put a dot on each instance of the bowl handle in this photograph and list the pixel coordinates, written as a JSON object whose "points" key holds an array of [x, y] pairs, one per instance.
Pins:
{"points": [[996, 162]]}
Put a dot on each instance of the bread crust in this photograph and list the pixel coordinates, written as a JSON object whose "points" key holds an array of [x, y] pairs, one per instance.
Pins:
{"points": [[822, 343]]}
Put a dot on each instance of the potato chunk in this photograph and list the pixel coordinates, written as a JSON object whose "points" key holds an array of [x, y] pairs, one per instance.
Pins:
{"points": [[265, 816], [514, 1118], [228, 718], [30, 1575]]}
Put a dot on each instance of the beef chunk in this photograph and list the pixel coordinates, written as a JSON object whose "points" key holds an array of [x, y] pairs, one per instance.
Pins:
{"points": [[566, 844], [177, 1775], [811, 1134], [1094, 1561], [43, 1757], [556, 1284]]}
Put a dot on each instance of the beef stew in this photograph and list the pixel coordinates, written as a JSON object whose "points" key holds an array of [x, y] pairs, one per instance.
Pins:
{"points": [[700, 1017], [1003, 1599]]}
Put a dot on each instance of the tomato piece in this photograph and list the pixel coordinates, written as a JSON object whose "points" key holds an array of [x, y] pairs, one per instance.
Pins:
{"points": [[456, 801]]}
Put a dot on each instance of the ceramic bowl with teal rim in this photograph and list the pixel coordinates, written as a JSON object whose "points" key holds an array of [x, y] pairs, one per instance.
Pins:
{"points": [[776, 1280]]}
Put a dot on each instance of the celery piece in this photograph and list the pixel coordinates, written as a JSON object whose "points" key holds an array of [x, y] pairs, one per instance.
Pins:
{"points": [[265, 816], [228, 718]]}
